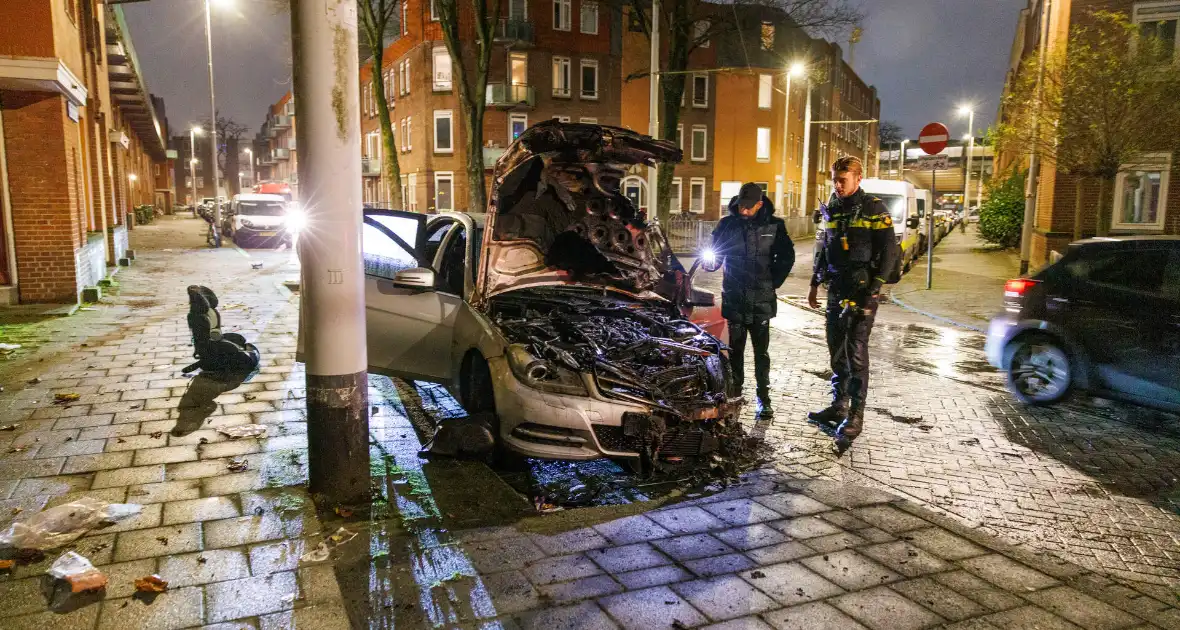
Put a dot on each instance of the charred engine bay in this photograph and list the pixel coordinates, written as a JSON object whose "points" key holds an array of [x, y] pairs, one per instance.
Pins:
{"points": [[637, 352]]}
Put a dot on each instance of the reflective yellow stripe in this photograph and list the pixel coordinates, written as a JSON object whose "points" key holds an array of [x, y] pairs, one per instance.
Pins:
{"points": [[878, 222]]}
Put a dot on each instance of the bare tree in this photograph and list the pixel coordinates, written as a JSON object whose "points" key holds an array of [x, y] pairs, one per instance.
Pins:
{"points": [[470, 73], [686, 25], [889, 132], [229, 132], [1108, 98], [377, 19]]}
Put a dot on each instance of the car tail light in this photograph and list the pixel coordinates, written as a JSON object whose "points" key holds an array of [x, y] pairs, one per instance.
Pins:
{"points": [[1018, 287], [1015, 292]]}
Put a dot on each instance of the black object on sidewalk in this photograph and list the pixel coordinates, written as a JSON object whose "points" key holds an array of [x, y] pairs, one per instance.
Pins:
{"points": [[215, 351]]}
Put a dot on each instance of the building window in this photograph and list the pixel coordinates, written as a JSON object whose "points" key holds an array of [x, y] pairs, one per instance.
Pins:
{"points": [[765, 89], [561, 77], [635, 190], [700, 90], [413, 192], [563, 119], [409, 133], [517, 123], [700, 33], [1159, 23], [700, 143], [588, 120], [442, 69], [589, 24], [767, 36], [561, 15], [763, 148], [1141, 194], [590, 79], [434, 10], [765, 186], [518, 9], [674, 197], [444, 141], [444, 190], [680, 137], [696, 195], [635, 22], [518, 68]]}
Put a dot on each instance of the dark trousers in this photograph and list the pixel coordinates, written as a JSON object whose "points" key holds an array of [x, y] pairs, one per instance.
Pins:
{"points": [[848, 345], [759, 333]]}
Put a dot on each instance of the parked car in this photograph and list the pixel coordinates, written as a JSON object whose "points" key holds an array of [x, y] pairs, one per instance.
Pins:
{"points": [[560, 317], [257, 219], [1104, 319]]}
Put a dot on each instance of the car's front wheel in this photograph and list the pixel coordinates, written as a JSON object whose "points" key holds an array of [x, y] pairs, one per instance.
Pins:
{"points": [[1039, 370]]}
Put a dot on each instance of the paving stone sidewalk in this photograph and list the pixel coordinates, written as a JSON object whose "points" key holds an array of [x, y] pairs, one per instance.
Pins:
{"points": [[775, 551]]}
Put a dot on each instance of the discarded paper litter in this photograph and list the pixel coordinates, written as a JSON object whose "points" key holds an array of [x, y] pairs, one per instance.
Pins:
{"points": [[323, 550], [245, 430], [65, 523], [77, 571]]}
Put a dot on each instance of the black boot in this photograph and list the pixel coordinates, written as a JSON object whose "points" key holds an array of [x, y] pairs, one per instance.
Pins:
{"points": [[851, 427], [764, 408], [832, 415]]}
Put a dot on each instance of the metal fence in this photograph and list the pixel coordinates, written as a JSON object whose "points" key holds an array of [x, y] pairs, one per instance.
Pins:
{"points": [[688, 235]]}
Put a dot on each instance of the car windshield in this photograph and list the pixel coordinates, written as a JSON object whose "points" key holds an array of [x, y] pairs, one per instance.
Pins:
{"points": [[262, 208]]}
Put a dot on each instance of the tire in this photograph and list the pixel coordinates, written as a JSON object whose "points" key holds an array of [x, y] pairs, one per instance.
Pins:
{"points": [[1040, 371]]}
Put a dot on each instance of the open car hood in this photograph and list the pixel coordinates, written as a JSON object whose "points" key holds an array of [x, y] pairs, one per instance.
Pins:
{"points": [[557, 216]]}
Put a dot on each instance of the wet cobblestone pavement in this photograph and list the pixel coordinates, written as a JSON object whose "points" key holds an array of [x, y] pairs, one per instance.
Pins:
{"points": [[956, 508]]}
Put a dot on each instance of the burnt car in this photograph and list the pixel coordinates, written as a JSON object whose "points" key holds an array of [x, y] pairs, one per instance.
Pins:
{"points": [[560, 316], [1104, 319]]}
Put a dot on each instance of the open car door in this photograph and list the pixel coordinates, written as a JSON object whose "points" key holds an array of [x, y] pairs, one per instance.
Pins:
{"points": [[409, 323]]}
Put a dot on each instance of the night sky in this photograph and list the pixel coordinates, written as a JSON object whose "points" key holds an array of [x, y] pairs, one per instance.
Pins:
{"points": [[924, 56]]}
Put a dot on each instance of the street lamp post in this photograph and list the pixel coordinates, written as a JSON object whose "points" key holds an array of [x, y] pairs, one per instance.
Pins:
{"points": [[253, 180], [212, 122], [795, 70], [966, 110], [806, 145], [901, 168], [192, 163]]}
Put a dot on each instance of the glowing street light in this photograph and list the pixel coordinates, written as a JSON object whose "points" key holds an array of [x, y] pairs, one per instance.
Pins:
{"points": [[795, 70], [968, 110]]}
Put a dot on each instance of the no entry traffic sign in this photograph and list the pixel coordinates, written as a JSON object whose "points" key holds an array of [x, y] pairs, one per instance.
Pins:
{"points": [[933, 138]]}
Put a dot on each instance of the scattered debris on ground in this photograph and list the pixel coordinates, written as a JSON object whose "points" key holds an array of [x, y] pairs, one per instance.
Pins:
{"points": [[238, 465], [243, 431], [323, 550], [61, 399], [9, 427], [78, 572], [65, 523], [5, 348], [151, 584], [6, 565]]}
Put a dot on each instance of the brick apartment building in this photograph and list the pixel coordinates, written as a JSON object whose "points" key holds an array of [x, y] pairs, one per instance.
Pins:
{"points": [[81, 144], [1134, 211], [277, 159], [731, 121]]}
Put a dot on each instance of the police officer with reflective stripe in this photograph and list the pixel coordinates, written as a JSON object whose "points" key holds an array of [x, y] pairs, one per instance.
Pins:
{"points": [[856, 252]]}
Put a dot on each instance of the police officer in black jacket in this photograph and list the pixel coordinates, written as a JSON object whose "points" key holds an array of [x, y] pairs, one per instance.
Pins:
{"points": [[855, 255], [753, 245]]}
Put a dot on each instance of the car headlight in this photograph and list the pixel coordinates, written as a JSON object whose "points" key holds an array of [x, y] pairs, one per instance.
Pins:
{"points": [[543, 375], [245, 223]]}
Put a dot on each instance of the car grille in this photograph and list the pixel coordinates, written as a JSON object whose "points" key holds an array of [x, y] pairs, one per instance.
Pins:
{"points": [[677, 443]]}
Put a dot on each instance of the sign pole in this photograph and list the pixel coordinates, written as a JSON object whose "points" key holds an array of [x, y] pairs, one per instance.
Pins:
{"points": [[930, 229]]}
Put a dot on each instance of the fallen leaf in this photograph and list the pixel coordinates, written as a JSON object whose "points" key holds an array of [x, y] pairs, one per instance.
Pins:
{"points": [[34, 380], [157, 435], [163, 540], [17, 510], [6, 565], [151, 584], [9, 427], [202, 560], [18, 449], [59, 399], [757, 575], [238, 465], [344, 512]]}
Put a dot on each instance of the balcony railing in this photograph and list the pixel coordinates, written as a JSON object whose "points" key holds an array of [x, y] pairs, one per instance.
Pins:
{"points": [[514, 30], [508, 95], [281, 121], [370, 167], [281, 154]]}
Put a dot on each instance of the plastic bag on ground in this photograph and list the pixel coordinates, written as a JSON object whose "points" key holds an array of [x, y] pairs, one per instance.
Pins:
{"points": [[77, 571], [245, 430], [65, 523]]}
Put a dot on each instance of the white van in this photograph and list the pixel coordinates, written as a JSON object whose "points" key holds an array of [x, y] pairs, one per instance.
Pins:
{"points": [[902, 200], [255, 217], [925, 203]]}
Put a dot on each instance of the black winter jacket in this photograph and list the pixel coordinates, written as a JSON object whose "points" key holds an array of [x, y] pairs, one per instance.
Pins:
{"points": [[758, 255], [856, 233]]}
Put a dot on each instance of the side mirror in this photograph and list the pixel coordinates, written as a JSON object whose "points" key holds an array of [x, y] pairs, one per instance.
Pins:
{"points": [[418, 278], [912, 223]]}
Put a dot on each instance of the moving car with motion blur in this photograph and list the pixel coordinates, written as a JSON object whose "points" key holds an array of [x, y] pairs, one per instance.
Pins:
{"points": [[261, 220], [560, 319], [1104, 319]]}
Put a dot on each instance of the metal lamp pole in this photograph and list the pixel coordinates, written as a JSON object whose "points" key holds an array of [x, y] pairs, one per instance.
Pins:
{"points": [[970, 149], [253, 179], [212, 124], [901, 167], [806, 145], [796, 68], [653, 103]]}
